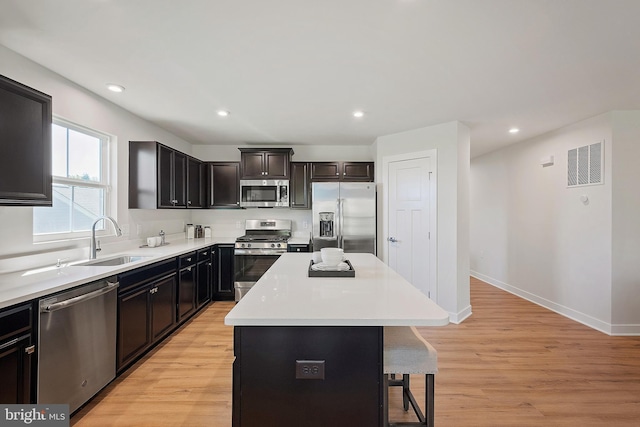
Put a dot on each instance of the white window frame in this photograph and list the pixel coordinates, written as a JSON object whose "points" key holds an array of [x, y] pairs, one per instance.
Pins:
{"points": [[105, 184]]}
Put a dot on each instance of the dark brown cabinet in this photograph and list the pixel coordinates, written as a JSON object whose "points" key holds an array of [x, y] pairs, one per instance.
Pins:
{"points": [[25, 145], [265, 164], [349, 392], [17, 355], [146, 309], [342, 171], [172, 183], [161, 177], [299, 247], [187, 286], [223, 272], [204, 277], [300, 185], [196, 183], [223, 184]]}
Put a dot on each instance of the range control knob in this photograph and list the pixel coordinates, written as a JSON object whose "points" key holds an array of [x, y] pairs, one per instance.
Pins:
{"points": [[273, 245], [248, 245], [279, 245], [242, 245]]}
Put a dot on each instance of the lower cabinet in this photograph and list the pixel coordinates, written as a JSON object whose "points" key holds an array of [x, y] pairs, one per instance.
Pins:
{"points": [[146, 309], [204, 277], [299, 247], [223, 272], [17, 355], [187, 286]]}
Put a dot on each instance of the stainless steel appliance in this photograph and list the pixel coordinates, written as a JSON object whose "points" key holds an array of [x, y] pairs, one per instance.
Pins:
{"points": [[265, 240], [344, 216], [77, 335], [264, 193]]}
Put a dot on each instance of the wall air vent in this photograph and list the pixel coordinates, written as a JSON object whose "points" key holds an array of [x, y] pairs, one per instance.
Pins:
{"points": [[585, 165]]}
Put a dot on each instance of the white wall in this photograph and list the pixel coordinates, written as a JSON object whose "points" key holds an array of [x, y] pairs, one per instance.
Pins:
{"points": [[532, 235], [78, 105], [451, 140], [626, 225]]}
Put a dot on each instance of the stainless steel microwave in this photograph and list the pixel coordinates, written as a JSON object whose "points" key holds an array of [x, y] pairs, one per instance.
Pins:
{"points": [[264, 193]]}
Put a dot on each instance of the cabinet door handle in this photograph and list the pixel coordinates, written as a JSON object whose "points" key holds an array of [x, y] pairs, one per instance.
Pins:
{"points": [[209, 264], [189, 259], [344, 173], [189, 202], [337, 173], [188, 268], [204, 253], [30, 349]]}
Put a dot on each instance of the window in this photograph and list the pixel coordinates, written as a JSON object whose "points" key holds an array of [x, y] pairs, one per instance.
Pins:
{"points": [[80, 183]]}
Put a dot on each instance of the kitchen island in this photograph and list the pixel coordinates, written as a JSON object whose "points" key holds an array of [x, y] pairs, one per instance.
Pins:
{"points": [[309, 349]]}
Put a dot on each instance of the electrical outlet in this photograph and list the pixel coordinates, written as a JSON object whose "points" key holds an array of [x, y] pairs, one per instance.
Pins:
{"points": [[139, 230], [305, 224], [310, 369], [238, 224]]}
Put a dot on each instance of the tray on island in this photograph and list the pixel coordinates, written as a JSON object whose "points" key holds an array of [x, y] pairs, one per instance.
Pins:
{"points": [[335, 273]]}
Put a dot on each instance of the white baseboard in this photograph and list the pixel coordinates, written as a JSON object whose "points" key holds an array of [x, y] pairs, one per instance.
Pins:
{"points": [[460, 316], [572, 314]]}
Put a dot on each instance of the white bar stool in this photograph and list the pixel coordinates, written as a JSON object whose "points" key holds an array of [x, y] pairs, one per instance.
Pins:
{"points": [[406, 352]]}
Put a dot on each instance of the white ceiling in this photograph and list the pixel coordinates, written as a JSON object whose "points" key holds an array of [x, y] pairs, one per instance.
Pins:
{"points": [[293, 71]]}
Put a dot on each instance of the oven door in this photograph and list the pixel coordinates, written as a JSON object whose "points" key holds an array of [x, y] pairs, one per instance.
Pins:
{"points": [[249, 266]]}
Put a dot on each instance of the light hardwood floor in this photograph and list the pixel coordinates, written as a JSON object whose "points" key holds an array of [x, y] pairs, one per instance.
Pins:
{"points": [[512, 363]]}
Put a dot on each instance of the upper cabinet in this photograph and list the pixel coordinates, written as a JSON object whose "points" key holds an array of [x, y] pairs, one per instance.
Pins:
{"points": [[171, 174], [342, 171], [161, 177], [272, 163], [196, 183], [300, 186], [25, 145], [223, 179]]}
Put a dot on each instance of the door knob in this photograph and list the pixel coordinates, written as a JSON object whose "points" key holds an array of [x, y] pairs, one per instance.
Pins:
{"points": [[392, 239]]}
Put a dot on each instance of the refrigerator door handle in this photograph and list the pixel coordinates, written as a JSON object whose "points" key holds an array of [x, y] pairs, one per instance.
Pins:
{"points": [[341, 245]]}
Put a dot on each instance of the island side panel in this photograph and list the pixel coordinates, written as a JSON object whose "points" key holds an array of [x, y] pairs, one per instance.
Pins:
{"points": [[267, 393]]}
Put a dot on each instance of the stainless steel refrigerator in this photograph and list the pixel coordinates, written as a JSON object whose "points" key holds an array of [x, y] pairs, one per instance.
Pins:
{"points": [[344, 216]]}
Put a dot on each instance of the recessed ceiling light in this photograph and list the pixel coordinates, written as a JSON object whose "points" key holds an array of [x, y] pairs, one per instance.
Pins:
{"points": [[514, 130], [223, 113], [115, 88], [358, 114]]}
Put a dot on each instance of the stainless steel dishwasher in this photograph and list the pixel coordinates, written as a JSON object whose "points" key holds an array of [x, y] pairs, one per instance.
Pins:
{"points": [[77, 351]]}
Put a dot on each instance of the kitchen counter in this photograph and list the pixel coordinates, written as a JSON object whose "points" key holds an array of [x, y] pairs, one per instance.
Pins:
{"points": [[24, 286], [377, 296], [314, 345]]}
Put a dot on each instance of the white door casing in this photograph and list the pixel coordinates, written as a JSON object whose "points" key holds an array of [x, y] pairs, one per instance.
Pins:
{"points": [[410, 209]]}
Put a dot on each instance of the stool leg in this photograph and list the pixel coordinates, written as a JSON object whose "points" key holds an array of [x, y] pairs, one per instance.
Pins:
{"points": [[430, 400], [405, 390]]}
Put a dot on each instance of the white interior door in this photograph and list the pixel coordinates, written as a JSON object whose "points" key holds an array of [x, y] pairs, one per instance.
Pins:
{"points": [[409, 222]]}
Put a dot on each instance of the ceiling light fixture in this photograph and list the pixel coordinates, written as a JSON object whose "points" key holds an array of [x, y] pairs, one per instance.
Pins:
{"points": [[514, 130], [358, 114], [223, 113], [115, 88]]}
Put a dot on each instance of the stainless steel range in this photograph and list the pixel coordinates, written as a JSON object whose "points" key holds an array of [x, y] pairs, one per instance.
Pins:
{"points": [[265, 240]]}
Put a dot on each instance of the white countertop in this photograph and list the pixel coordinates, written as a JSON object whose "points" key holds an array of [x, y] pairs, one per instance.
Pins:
{"points": [[377, 296], [23, 286]]}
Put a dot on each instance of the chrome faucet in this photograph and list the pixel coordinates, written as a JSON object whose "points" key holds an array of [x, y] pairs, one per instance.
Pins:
{"points": [[93, 248]]}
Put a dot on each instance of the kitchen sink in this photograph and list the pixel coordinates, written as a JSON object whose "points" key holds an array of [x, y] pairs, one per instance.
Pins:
{"points": [[119, 260]]}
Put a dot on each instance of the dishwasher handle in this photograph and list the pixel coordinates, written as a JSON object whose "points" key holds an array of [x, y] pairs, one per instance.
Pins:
{"points": [[76, 300]]}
